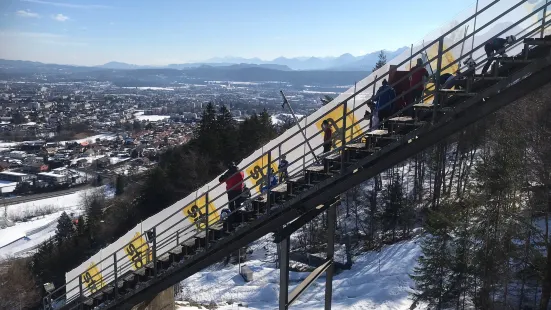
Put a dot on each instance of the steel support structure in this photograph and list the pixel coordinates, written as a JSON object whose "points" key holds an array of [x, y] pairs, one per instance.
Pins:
{"points": [[332, 219], [284, 247], [286, 299], [499, 95]]}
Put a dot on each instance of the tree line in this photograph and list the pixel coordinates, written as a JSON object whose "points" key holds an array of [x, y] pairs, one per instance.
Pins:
{"points": [[218, 139]]}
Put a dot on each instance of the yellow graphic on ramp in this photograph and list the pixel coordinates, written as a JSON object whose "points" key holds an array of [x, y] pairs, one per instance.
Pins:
{"points": [[92, 278], [447, 59], [336, 123], [197, 210], [258, 173], [138, 251]]}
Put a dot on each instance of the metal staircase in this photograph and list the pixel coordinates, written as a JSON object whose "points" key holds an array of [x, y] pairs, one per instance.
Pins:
{"points": [[316, 188]]}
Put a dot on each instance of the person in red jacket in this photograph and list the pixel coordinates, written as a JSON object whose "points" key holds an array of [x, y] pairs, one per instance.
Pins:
{"points": [[420, 76], [327, 133], [234, 185]]}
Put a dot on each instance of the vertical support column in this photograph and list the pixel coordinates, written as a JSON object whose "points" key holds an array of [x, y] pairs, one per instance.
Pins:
{"points": [[284, 273], [155, 251], [437, 78], [332, 217], [207, 237], [81, 293], [116, 285], [269, 183], [343, 138], [543, 19]]}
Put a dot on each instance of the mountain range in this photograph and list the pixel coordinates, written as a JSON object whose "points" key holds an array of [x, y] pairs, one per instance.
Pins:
{"points": [[345, 62]]}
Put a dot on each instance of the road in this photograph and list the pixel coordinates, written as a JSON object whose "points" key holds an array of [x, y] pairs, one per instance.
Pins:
{"points": [[28, 198]]}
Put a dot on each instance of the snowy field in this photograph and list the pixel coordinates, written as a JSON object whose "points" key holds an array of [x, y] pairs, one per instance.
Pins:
{"points": [[150, 118], [25, 236], [57, 203], [376, 281], [103, 136]]}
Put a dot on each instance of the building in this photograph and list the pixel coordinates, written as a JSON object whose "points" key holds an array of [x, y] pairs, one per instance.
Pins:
{"points": [[15, 176], [54, 178]]}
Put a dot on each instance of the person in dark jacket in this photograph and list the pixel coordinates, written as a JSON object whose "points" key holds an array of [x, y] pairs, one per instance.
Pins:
{"points": [[496, 46], [327, 133], [282, 168], [417, 81], [234, 186], [385, 94]]}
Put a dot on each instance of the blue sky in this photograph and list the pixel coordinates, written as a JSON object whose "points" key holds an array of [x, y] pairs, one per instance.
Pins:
{"points": [[92, 32]]}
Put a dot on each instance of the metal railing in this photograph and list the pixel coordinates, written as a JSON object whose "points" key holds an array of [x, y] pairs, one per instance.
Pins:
{"points": [[157, 241]]}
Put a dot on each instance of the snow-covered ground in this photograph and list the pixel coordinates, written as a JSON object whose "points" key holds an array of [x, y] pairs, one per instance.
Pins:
{"points": [[26, 236], [103, 136], [276, 119], [151, 118], [55, 203], [377, 280]]}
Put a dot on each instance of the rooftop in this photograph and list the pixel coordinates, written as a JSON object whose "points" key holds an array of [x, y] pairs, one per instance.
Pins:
{"points": [[13, 173]]}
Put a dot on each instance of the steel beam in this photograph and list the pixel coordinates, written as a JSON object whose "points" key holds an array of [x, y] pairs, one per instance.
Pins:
{"points": [[311, 278], [295, 225], [284, 247], [332, 218]]}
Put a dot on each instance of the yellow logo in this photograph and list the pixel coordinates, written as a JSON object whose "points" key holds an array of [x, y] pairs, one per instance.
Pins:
{"points": [[92, 278], [336, 126], [138, 251], [258, 172], [447, 59], [197, 212]]}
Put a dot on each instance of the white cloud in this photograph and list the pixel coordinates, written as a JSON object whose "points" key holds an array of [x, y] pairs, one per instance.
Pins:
{"points": [[27, 13], [40, 37], [44, 35], [69, 5], [60, 17]]}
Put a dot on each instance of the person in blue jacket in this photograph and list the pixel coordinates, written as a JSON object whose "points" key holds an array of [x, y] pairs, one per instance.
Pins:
{"points": [[385, 94], [272, 182]]}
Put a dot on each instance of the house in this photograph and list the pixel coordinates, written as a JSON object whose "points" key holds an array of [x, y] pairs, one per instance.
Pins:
{"points": [[34, 168], [53, 178], [15, 176]]}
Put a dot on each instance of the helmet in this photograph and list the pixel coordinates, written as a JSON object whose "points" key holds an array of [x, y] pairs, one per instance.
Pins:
{"points": [[232, 164], [511, 39]]}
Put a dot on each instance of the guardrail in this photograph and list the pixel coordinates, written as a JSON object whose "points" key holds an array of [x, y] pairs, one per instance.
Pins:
{"points": [[154, 242]]}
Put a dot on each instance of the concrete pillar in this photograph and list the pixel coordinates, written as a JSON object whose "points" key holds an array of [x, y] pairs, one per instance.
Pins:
{"points": [[163, 301]]}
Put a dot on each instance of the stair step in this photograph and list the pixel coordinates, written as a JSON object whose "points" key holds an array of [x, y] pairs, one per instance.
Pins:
{"points": [[537, 41], [455, 92], [514, 60], [489, 77]]}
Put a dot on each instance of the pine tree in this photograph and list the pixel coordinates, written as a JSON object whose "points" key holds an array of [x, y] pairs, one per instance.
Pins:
{"points": [[229, 141], [326, 99], [393, 203], [431, 275], [119, 185], [381, 61], [206, 134], [64, 229]]}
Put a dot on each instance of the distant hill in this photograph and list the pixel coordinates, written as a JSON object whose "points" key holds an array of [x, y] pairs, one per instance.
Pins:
{"points": [[344, 62], [121, 66], [368, 61]]}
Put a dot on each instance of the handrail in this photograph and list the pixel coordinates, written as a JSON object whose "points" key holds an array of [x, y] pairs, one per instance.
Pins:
{"points": [[346, 113]]}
